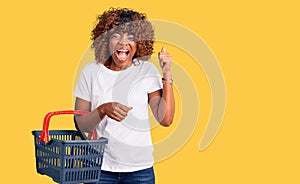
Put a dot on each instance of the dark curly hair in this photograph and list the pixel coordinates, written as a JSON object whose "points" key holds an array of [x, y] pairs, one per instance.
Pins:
{"points": [[125, 21]]}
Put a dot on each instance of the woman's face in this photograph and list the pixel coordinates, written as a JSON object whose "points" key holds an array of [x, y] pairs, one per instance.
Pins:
{"points": [[122, 49]]}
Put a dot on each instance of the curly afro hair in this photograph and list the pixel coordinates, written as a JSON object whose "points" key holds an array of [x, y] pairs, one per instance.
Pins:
{"points": [[125, 21]]}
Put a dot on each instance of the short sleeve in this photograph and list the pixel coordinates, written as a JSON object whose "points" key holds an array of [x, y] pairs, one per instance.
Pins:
{"points": [[154, 77], [82, 89]]}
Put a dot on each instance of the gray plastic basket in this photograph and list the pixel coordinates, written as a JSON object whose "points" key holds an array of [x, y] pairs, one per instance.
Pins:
{"points": [[67, 157]]}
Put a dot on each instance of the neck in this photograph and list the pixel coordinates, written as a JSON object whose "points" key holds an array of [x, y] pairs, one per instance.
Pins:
{"points": [[114, 67]]}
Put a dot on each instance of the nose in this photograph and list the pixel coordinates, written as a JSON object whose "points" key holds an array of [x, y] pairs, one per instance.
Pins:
{"points": [[122, 43], [123, 40]]}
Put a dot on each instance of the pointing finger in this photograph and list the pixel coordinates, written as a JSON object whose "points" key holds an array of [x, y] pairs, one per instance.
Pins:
{"points": [[125, 108]]}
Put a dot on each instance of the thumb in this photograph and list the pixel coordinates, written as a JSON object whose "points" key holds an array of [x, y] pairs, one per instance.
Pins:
{"points": [[163, 49]]}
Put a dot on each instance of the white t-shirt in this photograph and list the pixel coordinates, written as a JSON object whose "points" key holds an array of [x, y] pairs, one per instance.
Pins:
{"points": [[129, 145]]}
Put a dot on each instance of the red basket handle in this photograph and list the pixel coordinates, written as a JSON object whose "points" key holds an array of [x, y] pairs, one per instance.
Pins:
{"points": [[45, 133]]}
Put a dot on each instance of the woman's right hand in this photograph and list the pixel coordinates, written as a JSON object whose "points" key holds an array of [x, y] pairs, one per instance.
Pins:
{"points": [[113, 110]]}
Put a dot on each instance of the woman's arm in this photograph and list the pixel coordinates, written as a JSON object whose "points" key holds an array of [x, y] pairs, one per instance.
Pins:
{"points": [[88, 122], [162, 102], [162, 105]]}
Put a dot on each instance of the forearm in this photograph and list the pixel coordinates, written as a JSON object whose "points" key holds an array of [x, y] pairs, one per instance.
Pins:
{"points": [[166, 106], [87, 122]]}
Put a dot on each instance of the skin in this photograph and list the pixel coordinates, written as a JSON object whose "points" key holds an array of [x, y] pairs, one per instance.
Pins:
{"points": [[161, 101], [124, 42]]}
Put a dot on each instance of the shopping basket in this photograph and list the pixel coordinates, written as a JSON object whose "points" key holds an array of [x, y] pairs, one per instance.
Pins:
{"points": [[67, 157]]}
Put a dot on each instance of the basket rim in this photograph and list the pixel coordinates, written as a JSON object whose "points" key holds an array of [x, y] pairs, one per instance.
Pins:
{"points": [[102, 140]]}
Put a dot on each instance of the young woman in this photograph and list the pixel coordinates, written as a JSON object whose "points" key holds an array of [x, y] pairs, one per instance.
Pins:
{"points": [[117, 88]]}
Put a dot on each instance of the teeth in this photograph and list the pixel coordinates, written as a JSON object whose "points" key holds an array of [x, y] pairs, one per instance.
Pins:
{"points": [[123, 51]]}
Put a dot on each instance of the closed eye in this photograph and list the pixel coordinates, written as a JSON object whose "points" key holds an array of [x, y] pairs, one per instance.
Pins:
{"points": [[130, 37], [116, 36]]}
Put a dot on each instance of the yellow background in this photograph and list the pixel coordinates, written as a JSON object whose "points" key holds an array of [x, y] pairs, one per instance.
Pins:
{"points": [[255, 42]]}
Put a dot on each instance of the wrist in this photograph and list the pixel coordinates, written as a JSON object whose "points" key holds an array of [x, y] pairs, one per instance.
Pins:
{"points": [[101, 112], [167, 81], [167, 75]]}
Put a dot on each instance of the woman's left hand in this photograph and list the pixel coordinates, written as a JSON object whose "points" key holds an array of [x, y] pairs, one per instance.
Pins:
{"points": [[165, 62]]}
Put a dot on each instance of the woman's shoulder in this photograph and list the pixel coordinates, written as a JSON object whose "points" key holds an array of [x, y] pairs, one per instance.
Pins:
{"points": [[146, 68], [91, 67], [147, 64]]}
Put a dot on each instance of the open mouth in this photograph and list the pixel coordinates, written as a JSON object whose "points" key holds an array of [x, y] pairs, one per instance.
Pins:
{"points": [[122, 54]]}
